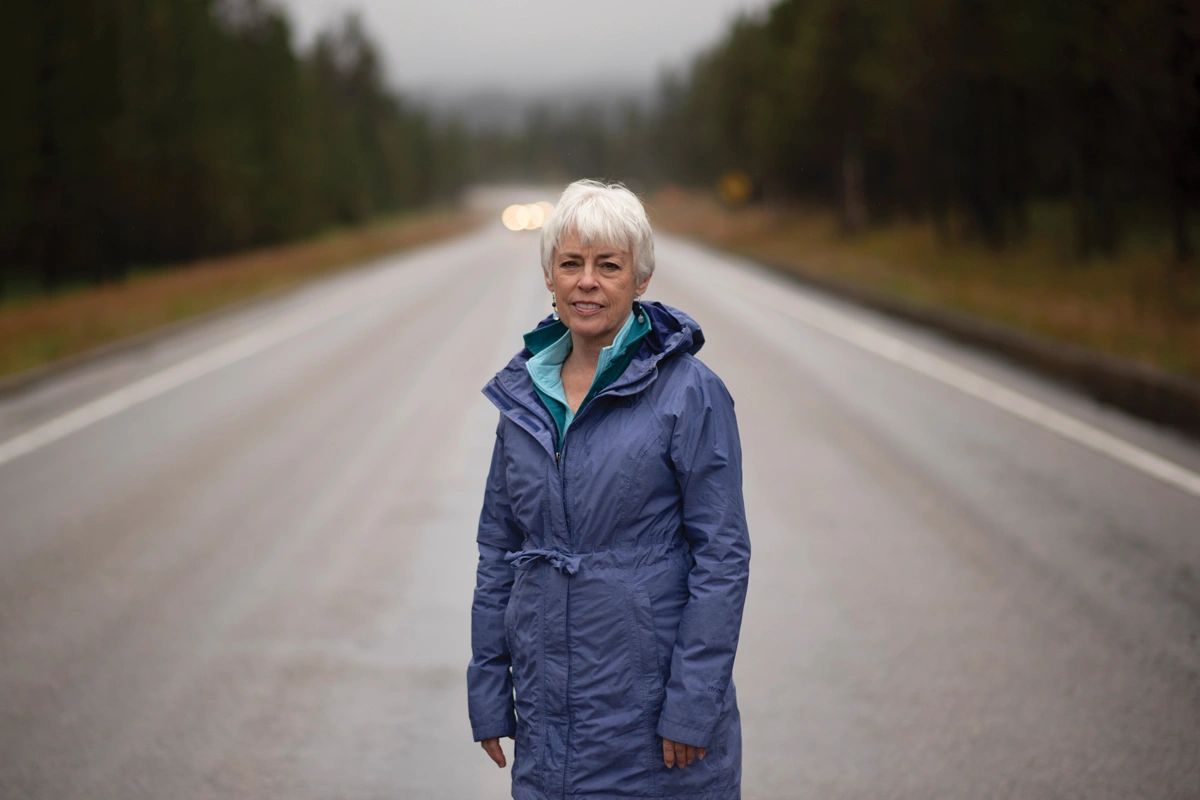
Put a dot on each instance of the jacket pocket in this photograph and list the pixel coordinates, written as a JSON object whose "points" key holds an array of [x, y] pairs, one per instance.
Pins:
{"points": [[508, 613], [651, 679], [510, 610], [649, 663]]}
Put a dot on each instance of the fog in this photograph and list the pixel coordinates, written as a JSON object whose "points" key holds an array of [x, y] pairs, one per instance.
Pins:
{"points": [[528, 47]]}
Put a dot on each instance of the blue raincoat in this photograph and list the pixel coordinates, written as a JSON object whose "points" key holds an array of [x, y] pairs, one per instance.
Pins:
{"points": [[611, 579]]}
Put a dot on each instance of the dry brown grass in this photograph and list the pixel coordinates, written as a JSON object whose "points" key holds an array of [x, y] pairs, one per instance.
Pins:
{"points": [[41, 330], [1137, 305]]}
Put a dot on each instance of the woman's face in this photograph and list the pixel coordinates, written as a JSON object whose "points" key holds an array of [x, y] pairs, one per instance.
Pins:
{"points": [[594, 286]]}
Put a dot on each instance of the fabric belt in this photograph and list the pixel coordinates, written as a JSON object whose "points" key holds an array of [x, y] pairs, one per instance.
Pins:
{"points": [[563, 562], [569, 563]]}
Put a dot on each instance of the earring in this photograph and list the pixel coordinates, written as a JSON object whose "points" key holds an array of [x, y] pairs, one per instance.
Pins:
{"points": [[638, 307], [554, 305]]}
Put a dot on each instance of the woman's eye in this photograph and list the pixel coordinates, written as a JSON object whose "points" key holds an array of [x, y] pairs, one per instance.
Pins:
{"points": [[568, 264], [611, 266]]}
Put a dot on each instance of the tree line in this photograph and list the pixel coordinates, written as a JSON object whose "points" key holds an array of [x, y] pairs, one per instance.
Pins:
{"points": [[140, 132], [963, 110]]}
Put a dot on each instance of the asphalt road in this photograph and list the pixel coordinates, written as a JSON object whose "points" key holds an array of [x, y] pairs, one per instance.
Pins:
{"points": [[238, 563]]}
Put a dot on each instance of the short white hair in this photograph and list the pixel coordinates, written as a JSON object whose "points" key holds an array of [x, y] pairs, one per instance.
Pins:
{"points": [[606, 213]]}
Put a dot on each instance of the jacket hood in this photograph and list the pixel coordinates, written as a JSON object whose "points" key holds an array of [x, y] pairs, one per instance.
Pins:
{"points": [[672, 330]]}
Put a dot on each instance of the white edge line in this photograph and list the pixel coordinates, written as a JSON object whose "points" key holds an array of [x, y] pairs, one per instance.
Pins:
{"points": [[163, 381], [294, 324], [989, 391]]}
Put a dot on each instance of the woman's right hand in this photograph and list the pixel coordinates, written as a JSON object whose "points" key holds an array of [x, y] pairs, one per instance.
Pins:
{"points": [[492, 748]]}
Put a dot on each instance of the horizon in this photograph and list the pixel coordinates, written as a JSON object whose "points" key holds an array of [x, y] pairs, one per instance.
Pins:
{"points": [[537, 56]]}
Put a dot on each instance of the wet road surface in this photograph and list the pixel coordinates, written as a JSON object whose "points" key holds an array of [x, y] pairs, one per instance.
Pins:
{"points": [[238, 563]]}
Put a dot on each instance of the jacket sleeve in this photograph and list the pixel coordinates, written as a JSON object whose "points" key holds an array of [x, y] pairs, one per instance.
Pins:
{"points": [[489, 676], [706, 451]]}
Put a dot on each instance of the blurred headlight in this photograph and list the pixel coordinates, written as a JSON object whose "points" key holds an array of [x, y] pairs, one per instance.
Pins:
{"points": [[515, 217], [527, 216]]}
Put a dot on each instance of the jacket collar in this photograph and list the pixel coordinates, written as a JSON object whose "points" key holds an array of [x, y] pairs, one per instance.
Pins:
{"points": [[545, 334], [672, 332]]}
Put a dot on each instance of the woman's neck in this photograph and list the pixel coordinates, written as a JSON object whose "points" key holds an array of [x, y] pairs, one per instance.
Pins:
{"points": [[585, 353]]}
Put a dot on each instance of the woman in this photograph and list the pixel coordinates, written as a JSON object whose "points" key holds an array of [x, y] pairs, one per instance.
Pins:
{"points": [[613, 549]]}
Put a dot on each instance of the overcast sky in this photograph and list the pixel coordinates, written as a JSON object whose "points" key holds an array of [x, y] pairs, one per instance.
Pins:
{"points": [[528, 45]]}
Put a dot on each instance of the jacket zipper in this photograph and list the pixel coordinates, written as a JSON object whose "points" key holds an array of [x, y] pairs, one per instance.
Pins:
{"points": [[562, 477]]}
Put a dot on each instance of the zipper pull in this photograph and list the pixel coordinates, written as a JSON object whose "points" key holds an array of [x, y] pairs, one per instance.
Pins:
{"points": [[557, 457]]}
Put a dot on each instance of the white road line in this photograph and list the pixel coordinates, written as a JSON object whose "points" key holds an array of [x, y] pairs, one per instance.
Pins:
{"points": [[939, 369], [161, 382], [377, 288]]}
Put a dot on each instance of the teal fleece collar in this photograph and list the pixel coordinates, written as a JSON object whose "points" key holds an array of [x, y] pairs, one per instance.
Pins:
{"points": [[551, 344]]}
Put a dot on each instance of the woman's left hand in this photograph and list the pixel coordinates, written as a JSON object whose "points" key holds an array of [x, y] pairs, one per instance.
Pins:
{"points": [[678, 754], [492, 748]]}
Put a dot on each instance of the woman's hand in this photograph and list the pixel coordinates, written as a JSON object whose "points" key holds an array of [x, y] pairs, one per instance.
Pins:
{"points": [[492, 748], [678, 754]]}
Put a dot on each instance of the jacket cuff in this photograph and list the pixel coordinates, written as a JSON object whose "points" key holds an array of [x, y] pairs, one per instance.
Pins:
{"points": [[680, 732], [494, 730]]}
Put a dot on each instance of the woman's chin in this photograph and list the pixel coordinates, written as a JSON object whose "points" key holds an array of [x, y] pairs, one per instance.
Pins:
{"points": [[592, 327]]}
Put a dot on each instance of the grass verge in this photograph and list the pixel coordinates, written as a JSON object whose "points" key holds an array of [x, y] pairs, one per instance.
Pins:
{"points": [[36, 331], [1136, 305]]}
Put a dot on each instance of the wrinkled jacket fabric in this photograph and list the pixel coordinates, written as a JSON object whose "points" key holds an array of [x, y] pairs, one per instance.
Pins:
{"points": [[611, 580]]}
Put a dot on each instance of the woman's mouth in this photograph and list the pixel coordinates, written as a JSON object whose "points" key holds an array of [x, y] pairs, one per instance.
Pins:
{"points": [[586, 309]]}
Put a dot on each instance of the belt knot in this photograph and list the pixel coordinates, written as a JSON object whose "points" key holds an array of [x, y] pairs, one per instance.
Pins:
{"points": [[564, 562]]}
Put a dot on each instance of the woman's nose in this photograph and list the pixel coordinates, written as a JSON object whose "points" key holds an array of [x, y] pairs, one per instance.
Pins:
{"points": [[588, 279]]}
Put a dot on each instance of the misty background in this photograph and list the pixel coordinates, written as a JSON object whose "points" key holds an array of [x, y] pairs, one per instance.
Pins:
{"points": [[161, 131], [1034, 164]]}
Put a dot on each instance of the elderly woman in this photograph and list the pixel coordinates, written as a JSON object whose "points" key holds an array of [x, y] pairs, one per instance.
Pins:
{"points": [[613, 549]]}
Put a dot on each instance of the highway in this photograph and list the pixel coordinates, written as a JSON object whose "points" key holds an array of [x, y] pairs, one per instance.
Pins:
{"points": [[237, 562]]}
